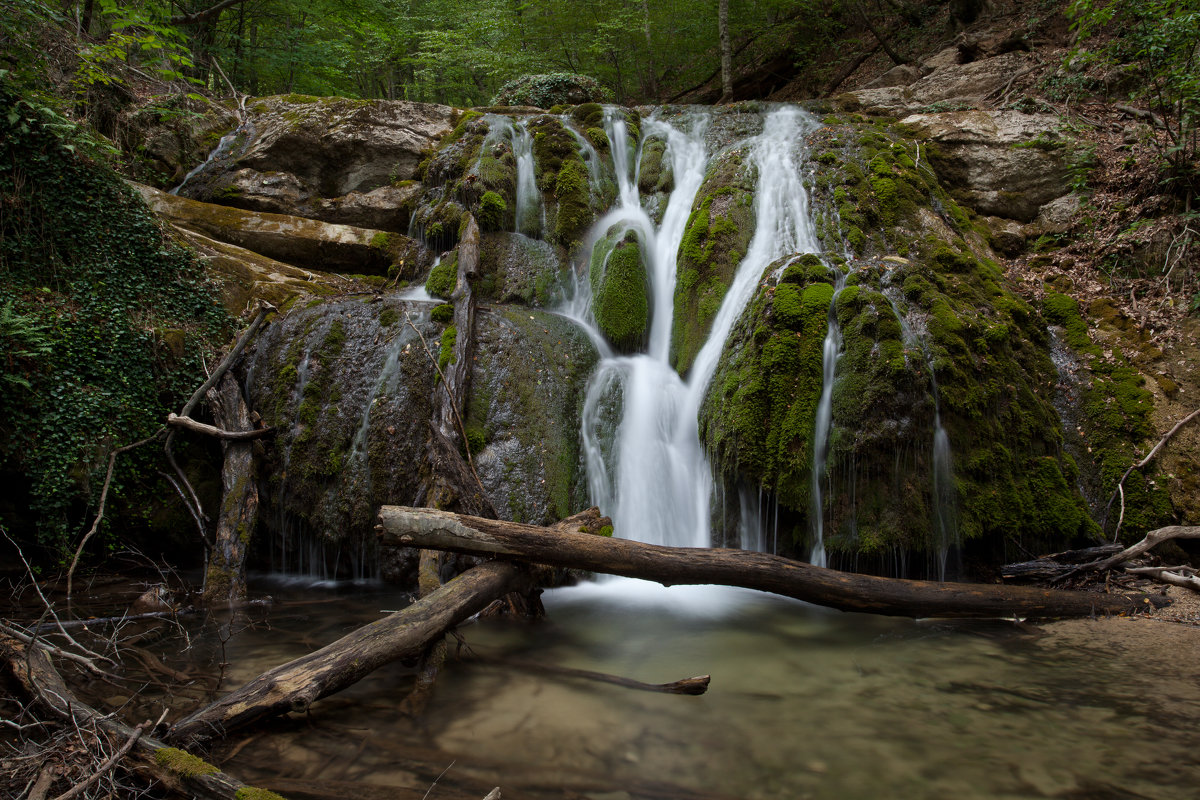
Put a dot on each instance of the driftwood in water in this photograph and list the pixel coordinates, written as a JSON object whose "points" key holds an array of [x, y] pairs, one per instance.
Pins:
{"points": [[691, 686], [31, 668], [422, 527], [225, 576], [296, 685]]}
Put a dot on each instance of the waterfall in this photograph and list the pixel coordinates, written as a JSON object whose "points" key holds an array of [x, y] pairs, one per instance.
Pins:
{"points": [[945, 503], [824, 423], [530, 216], [656, 482], [223, 146]]}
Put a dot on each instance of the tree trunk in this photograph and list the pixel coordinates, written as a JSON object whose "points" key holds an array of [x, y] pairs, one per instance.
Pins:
{"points": [[298, 684], [225, 577], [559, 546], [726, 52], [651, 70]]}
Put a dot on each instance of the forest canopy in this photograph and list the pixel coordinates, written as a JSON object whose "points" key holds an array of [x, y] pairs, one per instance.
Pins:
{"points": [[458, 52]]}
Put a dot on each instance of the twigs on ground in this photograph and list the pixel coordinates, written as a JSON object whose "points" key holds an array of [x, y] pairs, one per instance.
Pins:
{"points": [[1119, 492], [136, 734]]}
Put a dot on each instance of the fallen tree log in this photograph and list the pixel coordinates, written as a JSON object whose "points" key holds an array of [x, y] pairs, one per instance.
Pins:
{"points": [[298, 684], [443, 530], [31, 668]]}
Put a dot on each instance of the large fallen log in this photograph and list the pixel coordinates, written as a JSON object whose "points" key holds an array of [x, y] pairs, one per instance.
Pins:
{"points": [[298, 684], [557, 546]]}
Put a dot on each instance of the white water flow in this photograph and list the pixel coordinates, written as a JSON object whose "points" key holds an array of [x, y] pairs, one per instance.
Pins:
{"points": [[530, 216], [223, 147], [657, 483], [824, 424], [944, 505]]}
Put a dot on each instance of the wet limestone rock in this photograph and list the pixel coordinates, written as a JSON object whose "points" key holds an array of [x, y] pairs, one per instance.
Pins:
{"points": [[523, 414], [348, 385], [517, 269], [386, 208], [296, 240], [1001, 163], [338, 146], [329, 158]]}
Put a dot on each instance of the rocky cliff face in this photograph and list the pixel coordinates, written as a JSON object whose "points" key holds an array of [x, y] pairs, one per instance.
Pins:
{"points": [[913, 217]]}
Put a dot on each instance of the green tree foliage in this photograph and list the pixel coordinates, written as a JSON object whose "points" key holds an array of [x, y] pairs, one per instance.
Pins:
{"points": [[105, 326], [1158, 43]]}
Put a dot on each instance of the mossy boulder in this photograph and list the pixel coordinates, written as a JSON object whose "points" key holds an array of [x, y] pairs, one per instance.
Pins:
{"points": [[957, 348], [717, 235], [621, 292], [573, 214], [551, 89], [655, 173], [523, 414], [350, 397]]}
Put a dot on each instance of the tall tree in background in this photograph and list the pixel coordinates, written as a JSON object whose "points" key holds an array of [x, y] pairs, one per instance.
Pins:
{"points": [[726, 52]]}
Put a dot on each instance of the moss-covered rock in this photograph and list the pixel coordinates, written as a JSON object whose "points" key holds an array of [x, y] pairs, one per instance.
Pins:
{"points": [[443, 279], [351, 400], [621, 292], [1112, 412], [574, 212], [718, 232], [523, 414]]}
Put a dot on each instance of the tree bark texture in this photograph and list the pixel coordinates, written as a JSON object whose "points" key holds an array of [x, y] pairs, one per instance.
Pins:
{"points": [[225, 578], [428, 528], [726, 52], [296, 685]]}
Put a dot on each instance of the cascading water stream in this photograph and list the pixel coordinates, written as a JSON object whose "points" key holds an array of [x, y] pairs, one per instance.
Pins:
{"points": [[657, 485], [823, 425], [945, 514], [530, 213], [246, 130]]}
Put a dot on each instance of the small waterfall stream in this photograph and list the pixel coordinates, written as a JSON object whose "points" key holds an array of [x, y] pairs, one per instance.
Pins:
{"points": [[831, 349], [945, 516], [658, 484], [530, 213]]}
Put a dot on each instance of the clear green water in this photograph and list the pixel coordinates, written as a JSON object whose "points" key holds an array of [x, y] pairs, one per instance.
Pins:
{"points": [[804, 703]]}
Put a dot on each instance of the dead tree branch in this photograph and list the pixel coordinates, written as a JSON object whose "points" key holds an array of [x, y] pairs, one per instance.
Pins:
{"points": [[1120, 490], [295, 686]]}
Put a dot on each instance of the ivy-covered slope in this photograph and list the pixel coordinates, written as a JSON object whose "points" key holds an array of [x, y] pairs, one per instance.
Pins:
{"points": [[105, 326]]}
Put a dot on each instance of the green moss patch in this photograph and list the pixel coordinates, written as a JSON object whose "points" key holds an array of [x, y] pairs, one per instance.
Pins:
{"points": [[620, 292]]}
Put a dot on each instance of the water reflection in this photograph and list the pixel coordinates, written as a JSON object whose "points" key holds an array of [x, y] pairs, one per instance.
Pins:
{"points": [[804, 703]]}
